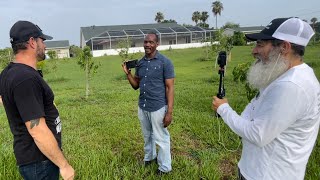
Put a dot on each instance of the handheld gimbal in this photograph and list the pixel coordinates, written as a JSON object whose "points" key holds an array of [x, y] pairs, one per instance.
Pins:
{"points": [[222, 61]]}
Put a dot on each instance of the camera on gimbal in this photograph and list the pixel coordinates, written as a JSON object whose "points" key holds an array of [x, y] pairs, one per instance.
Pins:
{"points": [[222, 59], [131, 64]]}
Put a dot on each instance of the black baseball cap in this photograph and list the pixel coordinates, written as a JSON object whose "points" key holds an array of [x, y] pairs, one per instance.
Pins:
{"points": [[267, 32], [21, 31], [293, 30]]}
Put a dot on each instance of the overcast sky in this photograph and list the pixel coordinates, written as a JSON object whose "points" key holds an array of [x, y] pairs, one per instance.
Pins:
{"points": [[62, 19]]}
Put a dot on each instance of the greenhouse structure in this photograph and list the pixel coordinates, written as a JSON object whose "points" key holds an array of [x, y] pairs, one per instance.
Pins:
{"points": [[105, 40]]}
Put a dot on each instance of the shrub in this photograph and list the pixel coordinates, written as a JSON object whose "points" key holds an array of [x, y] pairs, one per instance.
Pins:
{"points": [[240, 74], [238, 39], [52, 54]]}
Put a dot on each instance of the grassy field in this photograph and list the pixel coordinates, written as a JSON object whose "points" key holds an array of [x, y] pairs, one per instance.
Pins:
{"points": [[102, 137]]}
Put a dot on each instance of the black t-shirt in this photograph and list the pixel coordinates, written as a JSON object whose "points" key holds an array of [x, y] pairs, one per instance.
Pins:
{"points": [[26, 96]]}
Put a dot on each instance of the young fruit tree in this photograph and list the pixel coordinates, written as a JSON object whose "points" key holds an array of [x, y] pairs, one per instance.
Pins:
{"points": [[86, 63]]}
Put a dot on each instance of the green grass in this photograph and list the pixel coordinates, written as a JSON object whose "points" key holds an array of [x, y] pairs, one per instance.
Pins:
{"points": [[102, 138]]}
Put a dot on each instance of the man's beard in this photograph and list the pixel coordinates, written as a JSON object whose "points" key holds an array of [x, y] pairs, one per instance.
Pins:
{"points": [[40, 54], [263, 72]]}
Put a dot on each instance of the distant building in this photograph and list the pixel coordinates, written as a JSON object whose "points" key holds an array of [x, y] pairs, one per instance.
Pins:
{"points": [[60, 47], [104, 40], [245, 30]]}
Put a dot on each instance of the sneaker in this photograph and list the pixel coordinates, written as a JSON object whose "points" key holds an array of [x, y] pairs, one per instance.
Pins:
{"points": [[160, 173], [148, 163]]}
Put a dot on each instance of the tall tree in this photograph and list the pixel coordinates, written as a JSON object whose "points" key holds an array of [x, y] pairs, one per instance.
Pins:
{"points": [[159, 17], [217, 7], [314, 20], [204, 16], [196, 17]]}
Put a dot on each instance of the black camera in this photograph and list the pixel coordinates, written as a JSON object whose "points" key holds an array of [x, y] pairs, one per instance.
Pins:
{"points": [[131, 64], [222, 59]]}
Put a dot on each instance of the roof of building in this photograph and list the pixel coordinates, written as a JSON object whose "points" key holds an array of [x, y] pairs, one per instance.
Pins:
{"points": [[57, 44], [135, 29], [249, 29]]}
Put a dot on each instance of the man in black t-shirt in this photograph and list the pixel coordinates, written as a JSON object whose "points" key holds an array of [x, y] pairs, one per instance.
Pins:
{"points": [[28, 101]]}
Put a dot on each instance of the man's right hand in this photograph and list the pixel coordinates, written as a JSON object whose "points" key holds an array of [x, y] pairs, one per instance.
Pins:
{"points": [[67, 172], [216, 102], [134, 81], [125, 70]]}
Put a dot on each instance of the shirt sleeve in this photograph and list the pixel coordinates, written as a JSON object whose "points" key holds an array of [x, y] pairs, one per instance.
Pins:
{"points": [[28, 98], [279, 108], [168, 70]]}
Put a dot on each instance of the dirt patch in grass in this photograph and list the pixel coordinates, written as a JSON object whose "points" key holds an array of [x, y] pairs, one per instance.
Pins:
{"points": [[227, 168], [186, 142]]}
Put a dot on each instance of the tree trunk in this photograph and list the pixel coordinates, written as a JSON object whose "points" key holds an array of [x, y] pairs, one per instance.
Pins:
{"points": [[216, 21], [87, 79], [207, 52]]}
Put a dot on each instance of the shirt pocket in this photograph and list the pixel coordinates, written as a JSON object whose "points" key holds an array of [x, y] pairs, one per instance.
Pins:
{"points": [[156, 67], [156, 71]]}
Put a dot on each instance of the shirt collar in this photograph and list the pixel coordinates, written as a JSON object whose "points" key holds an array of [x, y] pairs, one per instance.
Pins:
{"points": [[155, 57]]}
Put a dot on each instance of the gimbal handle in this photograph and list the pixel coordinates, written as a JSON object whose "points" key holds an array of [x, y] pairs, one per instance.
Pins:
{"points": [[221, 91]]}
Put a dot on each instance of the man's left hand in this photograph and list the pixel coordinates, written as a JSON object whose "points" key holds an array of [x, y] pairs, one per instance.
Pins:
{"points": [[167, 120]]}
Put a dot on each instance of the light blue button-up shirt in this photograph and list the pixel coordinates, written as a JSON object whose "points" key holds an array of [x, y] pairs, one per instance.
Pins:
{"points": [[152, 74]]}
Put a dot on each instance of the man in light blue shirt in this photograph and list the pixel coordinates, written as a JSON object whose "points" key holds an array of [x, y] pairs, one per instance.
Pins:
{"points": [[155, 77]]}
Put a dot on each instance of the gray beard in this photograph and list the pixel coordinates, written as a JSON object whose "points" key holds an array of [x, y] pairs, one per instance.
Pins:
{"points": [[261, 74]]}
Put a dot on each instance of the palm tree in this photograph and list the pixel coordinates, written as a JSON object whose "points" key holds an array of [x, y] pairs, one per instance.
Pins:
{"points": [[204, 16], [196, 16], [217, 7], [314, 20], [159, 17]]}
